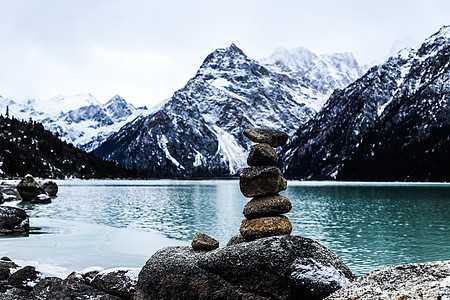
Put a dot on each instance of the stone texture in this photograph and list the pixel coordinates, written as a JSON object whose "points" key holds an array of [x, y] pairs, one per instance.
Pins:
{"points": [[13, 221], [117, 282], [5, 269], [274, 138], [262, 155], [202, 241], [252, 229], [56, 288], [429, 280], [24, 278], [50, 187], [269, 268], [28, 188], [9, 192], [267, 206], [16, 294], [237, 239], [261, 181]]}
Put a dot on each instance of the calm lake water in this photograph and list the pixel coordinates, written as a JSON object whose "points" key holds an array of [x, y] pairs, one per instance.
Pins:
{"points": [[368, 225]]}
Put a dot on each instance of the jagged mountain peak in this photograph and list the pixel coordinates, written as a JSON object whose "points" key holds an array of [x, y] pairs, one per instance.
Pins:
{"points": [[198, 131], [224, 59]]}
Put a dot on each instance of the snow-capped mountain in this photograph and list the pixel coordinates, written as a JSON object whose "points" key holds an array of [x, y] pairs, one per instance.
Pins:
{"points": [[198, 131], [391, 124], [325, 72], [80, 120]]}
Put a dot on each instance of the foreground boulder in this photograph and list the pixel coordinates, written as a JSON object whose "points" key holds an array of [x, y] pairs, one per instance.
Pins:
{"points": [[280, 267], [412, 281], [29, 189], [13, 221]]}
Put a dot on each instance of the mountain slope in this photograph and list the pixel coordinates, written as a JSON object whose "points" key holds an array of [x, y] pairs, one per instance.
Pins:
{"points": [[80, 120], [198, 131], [26, 147], [391, 124]]}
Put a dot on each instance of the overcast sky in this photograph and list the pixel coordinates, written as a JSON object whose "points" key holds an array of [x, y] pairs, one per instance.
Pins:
{"points": [[146, 50]]}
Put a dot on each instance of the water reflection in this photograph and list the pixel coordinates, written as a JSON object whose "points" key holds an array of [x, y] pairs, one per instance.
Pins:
{"points": [[368, 226]]}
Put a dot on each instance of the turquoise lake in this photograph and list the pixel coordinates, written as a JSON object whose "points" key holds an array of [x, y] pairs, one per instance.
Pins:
{"points": [[368, 225]]}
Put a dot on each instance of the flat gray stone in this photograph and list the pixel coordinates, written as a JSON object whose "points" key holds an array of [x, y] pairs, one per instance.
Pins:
{"points": [[274, 138], [261, 181], [267, 206], [252, 229], [262, 155], [202, 241]]}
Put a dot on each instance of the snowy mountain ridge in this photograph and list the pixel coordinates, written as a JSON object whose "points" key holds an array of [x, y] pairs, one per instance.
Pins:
{"points": [[80, 119], [391, 124], [198, 131]]}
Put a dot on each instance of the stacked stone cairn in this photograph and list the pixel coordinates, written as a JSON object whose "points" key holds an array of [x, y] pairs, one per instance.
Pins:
{"points": [[262, 181]]}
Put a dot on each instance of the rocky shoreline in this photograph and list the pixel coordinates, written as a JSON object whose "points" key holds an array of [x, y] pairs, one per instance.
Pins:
{"points": [[263, 262], [182, 273]]}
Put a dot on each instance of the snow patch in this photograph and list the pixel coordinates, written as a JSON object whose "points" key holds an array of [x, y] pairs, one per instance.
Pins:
{"points": [[131, 273], [230, 150], [162, 143], [310, 271]]}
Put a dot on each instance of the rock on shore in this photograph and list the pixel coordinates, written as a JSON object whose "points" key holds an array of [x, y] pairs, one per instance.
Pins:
{"points": [[429, 281], [279, 267], [29, 188], [28, 284], [13, 221]]}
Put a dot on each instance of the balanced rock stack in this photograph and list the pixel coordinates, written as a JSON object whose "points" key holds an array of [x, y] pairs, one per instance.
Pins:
{"points": [[262, 181]]}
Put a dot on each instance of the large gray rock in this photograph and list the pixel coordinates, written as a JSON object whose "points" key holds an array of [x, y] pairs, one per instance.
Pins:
{"points": [[261, 181], [267, 206], [50, 187], [24, 278], [5, 269], [119, 282], [412, 281], [274, 138], [28, 188], [282, 267], [13, 221], [9, 192]]}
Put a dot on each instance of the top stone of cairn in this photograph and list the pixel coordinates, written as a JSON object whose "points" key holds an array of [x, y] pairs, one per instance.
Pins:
{"points": [[274, 138]]}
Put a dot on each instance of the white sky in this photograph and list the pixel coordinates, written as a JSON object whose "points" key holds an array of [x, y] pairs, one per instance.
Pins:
{"points": [[145, 50]]}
